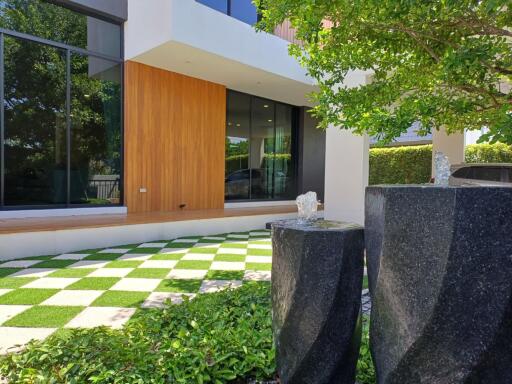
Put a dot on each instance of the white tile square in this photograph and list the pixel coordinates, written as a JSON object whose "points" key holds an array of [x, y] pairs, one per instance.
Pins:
{"points": [[232, 251], [157, 299], [187, 274], [9, 311], [152, 245], [96, 316], [237, 236], [227, 266], [115, 250], [220, 238], [4, 291], [73, 298], [92, 264], [51, 282], [71, 256], [260, 233], [260, 246], [170, 251], [10, 337], [199, 256], [136, 256], [185, 241], [257, 275], [209, 286], [110, 272], [33, 272], [207, 245], [19, 263], [258, 259], [164, 264], [136, 285]]}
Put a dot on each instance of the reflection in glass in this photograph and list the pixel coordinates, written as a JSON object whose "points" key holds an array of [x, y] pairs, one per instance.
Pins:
{"points": [[35, 123], [283, 165], [262, 148], [244, 10], [219, 5], [56, 23], [95, 131], [237, 146]]}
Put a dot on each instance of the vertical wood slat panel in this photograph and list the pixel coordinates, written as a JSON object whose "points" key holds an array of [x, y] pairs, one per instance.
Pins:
{"points": [[174, 140]]}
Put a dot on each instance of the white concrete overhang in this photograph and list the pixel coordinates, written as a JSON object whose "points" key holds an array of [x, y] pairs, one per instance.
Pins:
{"points": [[187, 37]]}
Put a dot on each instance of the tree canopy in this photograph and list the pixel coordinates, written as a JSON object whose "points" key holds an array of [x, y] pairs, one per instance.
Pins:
{"points": [[442, 63]]}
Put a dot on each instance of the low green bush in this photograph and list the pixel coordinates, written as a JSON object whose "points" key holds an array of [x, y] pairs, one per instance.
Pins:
{"points": [[401, 165], [488, 153], [365, 367]]}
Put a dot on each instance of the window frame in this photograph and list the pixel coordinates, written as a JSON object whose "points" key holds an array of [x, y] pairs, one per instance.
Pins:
{"points": [[294, 147], [69, 50]]}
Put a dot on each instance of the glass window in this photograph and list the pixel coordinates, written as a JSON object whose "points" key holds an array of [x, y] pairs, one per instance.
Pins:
{"points": [[219, 5], [95, 131], [259, 149], [52, 22], [486, 173], [244, 10], [35, 124], [237, 146]]}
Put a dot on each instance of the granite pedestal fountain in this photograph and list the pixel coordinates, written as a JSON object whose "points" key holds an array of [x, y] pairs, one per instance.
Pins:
{"points": [[440, 279], [317, 272]]}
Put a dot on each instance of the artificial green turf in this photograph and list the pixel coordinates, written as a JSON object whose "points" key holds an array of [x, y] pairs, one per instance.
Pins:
{"points": [[167, 256], [44, 257], [179, 245], [365, 282], [94, 283], [233, 245], [71, 272], [209, 241], [258, 266], [120, 299], [228, 257], [193, 264], [124, 264], [53, 264], [145, 251], [44, 317], [209, 250], [261, 242], [27, 296], [89, 251], [103, 256], [149, 273], [259, 252], [8, 271], [126, 246], [179, 286], [224, 275], [14, 282]]}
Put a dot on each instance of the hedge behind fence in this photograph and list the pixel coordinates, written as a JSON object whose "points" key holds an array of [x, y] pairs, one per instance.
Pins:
{"points": [[412, 164]]}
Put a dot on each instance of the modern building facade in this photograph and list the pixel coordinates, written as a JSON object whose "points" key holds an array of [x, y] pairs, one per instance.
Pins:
{"points": [[134, 106]]}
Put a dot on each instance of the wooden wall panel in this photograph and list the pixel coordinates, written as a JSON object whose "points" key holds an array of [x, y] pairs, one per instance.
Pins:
{"points": [[174, 140]]}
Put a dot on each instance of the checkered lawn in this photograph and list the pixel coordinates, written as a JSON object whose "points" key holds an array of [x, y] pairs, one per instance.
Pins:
{"points": [[39, 295]]}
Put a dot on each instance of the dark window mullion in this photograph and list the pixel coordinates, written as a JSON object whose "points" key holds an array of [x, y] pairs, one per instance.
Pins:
{"points": [[249, 165], [274, 154], [229, 7], [2, 123], [68, 127]]}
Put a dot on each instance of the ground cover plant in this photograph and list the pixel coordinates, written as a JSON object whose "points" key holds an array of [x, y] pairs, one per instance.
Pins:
{"points": [[223, 337]]}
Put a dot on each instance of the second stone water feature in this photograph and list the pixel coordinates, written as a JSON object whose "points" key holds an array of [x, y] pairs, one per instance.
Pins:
{"points": [[317, 273]]}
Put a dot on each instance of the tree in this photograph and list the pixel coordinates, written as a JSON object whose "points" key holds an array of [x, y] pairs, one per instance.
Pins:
{"points": [[443, 63]]}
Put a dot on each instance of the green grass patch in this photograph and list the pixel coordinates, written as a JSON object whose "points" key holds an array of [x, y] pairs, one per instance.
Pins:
{"points": [[44, 257], [228, 257], [225, 275], [8, 271], [44, 317], [124, 264], [149, 273], [89, 251], [103, 256], [179, 286], [259, 252], [193, 264], [258, 266], [126, 246], [260, 242], [120, 299], [53, 264], [72, 272], [14, 282], [27, 296], [233, 245], [167, 256], [365, 282], [179, 245], [203, 250], [145, 251], [94, 283]]}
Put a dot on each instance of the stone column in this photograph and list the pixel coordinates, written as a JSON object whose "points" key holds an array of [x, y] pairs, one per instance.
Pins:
{"points": [[451, 145]]}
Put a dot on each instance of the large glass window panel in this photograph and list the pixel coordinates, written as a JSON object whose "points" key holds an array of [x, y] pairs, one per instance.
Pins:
{"points": [[244, 10], [284, 172], [219, 5], [237, 146], [56, 23], [95, 131], [262, 148], [35, 124]]}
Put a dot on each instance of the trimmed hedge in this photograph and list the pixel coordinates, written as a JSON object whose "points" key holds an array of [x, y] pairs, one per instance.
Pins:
{"points": [[412, 164], [400, 165]]}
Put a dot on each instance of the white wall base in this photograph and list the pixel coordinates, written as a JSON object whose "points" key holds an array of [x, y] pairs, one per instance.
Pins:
{"points": [[13, 246], [27, 213]]}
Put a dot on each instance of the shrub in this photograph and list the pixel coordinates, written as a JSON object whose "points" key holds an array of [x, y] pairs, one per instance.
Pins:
{"points": [[401, 165], [215, 338], [488, 153], [365, 367]]}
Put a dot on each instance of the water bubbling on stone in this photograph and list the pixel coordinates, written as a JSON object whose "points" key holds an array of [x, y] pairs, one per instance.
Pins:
{"points": [[307, 205]]}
